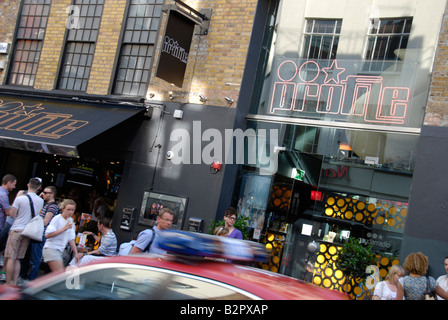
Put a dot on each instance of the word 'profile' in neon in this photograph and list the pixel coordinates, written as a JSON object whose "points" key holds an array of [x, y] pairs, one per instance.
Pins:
{"points": [[307, 87]]}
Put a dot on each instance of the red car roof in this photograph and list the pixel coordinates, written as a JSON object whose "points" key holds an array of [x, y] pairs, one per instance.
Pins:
{"points": [[264, 284]]}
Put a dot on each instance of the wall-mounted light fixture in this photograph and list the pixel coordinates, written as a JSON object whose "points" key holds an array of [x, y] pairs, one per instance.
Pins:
{"points": [[171, 95], [229, 100], [202, 98], [151, 95]]}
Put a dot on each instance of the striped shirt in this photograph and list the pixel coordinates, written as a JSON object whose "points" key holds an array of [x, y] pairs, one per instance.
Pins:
{"points": [[108, 245], [49, 207]]}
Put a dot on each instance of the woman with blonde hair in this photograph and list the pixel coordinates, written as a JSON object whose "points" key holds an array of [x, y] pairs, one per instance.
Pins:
{"points": [[59, 233], [414, 286], [387, 289]]}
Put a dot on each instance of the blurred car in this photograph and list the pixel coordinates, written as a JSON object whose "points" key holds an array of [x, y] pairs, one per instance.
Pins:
{"points": [[183, 274]]}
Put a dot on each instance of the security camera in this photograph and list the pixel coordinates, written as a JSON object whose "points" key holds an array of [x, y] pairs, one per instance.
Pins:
{"points": [[169, 155], [229, 100]]}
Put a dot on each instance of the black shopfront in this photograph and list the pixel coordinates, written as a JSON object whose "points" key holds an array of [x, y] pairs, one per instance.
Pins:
{"points": [[75, 146]]}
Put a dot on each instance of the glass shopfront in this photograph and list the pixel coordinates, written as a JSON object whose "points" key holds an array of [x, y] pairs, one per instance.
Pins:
{"points": [[344, 90], [326, 195]]}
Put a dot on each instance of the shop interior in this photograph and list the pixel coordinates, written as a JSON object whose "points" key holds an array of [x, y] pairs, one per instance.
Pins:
{"points": [[74, 177], [319, 199]]}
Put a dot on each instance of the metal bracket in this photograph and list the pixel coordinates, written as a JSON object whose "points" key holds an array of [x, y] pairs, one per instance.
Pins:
{"points": [[201, 18]]}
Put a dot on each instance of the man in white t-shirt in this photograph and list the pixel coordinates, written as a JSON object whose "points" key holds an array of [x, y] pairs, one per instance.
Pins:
{"points": [[16, 245]]}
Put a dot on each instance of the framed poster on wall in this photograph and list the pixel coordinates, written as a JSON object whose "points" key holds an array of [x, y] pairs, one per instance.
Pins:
{"points": [[153, 202]]}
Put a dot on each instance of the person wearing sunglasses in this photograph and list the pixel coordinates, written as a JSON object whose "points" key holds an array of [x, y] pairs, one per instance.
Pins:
{"points": [[230, 217]]}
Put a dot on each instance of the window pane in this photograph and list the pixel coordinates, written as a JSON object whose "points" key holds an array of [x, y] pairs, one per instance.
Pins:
{"points": [[385, 37], [139, 283], [321, 39], [80, 47], [136, 53], [30, 33]]}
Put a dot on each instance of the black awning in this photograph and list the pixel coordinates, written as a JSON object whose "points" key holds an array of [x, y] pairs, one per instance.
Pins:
{"points": [[55, 127]]}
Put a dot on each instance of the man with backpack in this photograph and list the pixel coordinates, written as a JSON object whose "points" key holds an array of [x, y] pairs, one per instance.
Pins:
{"points": [[23, 209], [147, 240]]}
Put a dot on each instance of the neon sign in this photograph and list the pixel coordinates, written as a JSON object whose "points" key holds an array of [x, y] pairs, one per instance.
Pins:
{"points": [[34, 121], [304, 88]]}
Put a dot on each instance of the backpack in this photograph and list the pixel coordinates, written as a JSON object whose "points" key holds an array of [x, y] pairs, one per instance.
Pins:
{"points": [[151, 241]]}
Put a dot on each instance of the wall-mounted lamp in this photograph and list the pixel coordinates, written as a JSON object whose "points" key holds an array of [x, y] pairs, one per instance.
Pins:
{"points": [[171, 95], [229, 100], [202, 98], [152, 95]]}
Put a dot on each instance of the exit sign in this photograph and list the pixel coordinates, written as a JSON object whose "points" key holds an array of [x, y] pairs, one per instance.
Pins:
{"points": [[298, 174]]}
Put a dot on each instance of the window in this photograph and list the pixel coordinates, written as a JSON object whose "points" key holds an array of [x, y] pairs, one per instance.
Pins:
{"points": [[121, 281], [80, 45], [384, 38], [321, 39], [137, 51], [29, 39]]}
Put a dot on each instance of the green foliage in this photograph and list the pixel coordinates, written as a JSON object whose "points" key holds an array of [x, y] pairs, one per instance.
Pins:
{"points": [[353, 259], [240, 224]]}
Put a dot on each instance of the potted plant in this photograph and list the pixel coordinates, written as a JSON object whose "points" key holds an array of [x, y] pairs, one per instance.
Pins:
{"points": [[353, 259]]}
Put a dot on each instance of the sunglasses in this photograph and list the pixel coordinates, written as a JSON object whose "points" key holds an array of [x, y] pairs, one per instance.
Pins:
{"points": [[46, 192]]}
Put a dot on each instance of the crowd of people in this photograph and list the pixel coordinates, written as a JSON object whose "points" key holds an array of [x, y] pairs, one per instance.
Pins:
{"points": [[22, 257], [417, 285]]}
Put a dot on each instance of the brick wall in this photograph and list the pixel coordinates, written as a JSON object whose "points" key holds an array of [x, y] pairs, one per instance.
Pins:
{"points": [[8, 14], [106, 48], [53, 46], [437, 108], [216, 60]]}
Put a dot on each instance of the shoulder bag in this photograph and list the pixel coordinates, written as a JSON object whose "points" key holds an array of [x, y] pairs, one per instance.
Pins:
{"points": [[429, 295], [34, 229]]}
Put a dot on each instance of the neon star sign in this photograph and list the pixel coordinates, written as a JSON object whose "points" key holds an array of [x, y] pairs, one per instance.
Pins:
{"points": [[305, 89]]}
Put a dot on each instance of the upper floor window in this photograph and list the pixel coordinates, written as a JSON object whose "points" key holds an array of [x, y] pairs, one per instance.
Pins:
{"points": [[321, 38], [80, 45], [385, 39], [137, 49], [28, 44]]}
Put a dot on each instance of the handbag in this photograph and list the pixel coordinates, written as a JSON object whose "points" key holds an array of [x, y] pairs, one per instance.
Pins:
{"points": [[34, 229], [429, 295]]}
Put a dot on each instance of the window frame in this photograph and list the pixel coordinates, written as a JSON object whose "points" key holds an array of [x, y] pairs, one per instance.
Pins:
{"points": [[371, 51], [80, 44], [28, 42], [138, 44], [311, 31], [69, 281]]}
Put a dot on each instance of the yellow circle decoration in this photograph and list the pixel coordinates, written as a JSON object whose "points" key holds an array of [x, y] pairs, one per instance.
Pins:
{"points": [[332, 250]]}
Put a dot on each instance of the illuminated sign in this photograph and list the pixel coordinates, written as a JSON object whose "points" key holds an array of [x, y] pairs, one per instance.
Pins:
{"points": [[298, 174], [339, 91], [32, 120]]}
